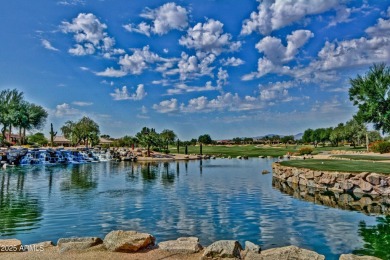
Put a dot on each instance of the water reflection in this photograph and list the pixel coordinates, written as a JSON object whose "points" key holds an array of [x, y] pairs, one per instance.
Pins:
{"points": [[211, 199], [376, 238], [19, 211], [368, 204], [81, 178]]}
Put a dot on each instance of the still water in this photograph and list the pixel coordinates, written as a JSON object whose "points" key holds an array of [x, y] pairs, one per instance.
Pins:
{"points": [[212, 199]]}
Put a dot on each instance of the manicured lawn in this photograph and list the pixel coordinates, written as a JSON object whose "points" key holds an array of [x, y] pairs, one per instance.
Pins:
{"points": [[363, 157], [253, 150], [337, 165]]}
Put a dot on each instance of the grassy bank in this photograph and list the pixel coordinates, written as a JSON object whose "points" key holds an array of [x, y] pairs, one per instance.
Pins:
{"points": [[363, 157], [255, 150], [342, 166]]}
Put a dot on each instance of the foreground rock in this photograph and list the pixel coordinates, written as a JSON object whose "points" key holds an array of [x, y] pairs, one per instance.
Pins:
{"points": [[127, 241], [355, 257], [10, 245], [77, 243], [289, 252], [223, 249], [252, 251], [183, 245]]}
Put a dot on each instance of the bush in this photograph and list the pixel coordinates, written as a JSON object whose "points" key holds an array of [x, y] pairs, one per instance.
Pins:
{"points": [[380, 147], [305, 150], [166, 151]]}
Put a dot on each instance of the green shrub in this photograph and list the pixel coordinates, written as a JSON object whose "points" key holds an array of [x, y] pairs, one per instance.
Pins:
{"points": [[305, 150], [380, 147], [166, 151]]}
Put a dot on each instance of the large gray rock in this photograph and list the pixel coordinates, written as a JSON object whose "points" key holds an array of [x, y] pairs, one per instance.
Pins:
{"points": [[355, 257], [183, 245], [290, 252], [223, 249], [127, 241], [249, 246], [39, 246], [77, 243]]}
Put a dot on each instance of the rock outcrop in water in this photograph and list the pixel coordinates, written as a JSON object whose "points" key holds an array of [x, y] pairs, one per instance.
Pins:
{"points": [[357, 183]]}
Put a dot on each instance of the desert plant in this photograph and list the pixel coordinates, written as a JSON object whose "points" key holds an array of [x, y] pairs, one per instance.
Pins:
{"points": [[305, 150]]}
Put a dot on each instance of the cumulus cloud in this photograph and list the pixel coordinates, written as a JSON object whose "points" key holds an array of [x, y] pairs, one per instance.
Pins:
{"points": [[111, 72], [163, 19], [166, 106], [65, 109], [275, 54], [123, 94], [47, 45], [276, 14], [222, 78], [191, 66], [232, 61], [90, 36], [362, 51], [209, 38]]}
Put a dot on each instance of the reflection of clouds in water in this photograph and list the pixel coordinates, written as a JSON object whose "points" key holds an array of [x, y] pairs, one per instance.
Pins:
{"points": [[236, 202]]}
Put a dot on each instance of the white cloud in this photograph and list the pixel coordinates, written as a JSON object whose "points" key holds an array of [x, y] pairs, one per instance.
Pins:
{"points": [[222, 78], [123, 94], [111, 72], [139, 60], [276, 54], [47, 45], [274, 50], [166, 106], [164, 19], [276, 14], [65, 110], [181, 88], [209, 38], [90, 35], [232, 61], [71, 2], [192, 66], [82, 103]]}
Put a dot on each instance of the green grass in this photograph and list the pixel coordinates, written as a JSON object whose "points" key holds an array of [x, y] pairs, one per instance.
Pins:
{"points": [[363, 157], [342, 166], [253, 151]]}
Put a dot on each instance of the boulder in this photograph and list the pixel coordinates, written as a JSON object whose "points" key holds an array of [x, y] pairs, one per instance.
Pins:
{"points": [[346, 185], [223, 249], [10, 245], [127, 241], [290, 252], [374, 178], [355, 257], [249, 246], [183, 245], [77, 243], [365, 186]]}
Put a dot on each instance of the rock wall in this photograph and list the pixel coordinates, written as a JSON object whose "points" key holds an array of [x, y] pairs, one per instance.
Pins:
{"points": [[367, 203], [357, 183]]}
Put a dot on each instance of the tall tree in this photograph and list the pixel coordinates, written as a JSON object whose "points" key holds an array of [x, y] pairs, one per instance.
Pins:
{"points": [[147, 137], [85, 130], [205, 139], [9, 105], [371, 94], [168, 137]]}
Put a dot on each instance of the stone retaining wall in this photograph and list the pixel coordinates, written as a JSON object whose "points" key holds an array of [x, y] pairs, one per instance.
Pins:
{"points": [[359, 183], [367, 203]]}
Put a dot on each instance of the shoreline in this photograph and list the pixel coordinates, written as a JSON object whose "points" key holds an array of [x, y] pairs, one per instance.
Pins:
{"points": [[133, 245]]}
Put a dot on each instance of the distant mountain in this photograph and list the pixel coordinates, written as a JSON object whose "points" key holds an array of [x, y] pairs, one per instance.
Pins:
{"points": [[296, 137]]}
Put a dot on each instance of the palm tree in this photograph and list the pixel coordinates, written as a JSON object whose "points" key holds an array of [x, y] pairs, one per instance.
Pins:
{"points": [[9, 105]]}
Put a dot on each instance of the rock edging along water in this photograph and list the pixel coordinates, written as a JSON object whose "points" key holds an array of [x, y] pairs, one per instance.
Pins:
{"points": [[132, 241], [359, 183]]}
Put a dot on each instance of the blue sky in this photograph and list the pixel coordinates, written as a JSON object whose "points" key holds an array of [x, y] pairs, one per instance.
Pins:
{"points": [[223, 67]]}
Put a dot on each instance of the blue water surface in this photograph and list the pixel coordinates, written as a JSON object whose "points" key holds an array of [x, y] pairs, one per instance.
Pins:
{"points": [[210, 199]]}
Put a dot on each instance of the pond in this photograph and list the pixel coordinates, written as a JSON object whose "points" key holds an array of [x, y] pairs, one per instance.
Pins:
{"points": [[210, 199]]}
